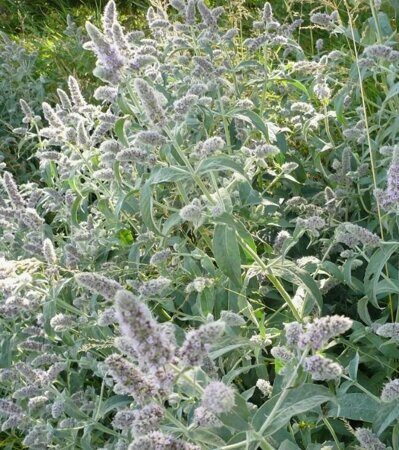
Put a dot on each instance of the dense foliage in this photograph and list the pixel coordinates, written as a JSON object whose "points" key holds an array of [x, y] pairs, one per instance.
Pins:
{"points": [[204, 256]]}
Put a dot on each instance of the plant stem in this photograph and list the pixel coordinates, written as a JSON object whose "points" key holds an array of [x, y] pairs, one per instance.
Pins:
{"points": [[333, 434], [272, 278], [283, 394]]}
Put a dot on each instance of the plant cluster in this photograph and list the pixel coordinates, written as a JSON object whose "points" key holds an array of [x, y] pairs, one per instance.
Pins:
{"points": [[208, 260]]}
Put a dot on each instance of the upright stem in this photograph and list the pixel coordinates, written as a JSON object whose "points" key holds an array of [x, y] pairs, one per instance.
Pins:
{"points": [[332, 431], [272, 278], [366, 124], [283, 394]]}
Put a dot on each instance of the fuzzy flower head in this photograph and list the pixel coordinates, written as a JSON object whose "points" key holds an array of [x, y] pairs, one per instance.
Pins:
{"points": [[62, 322], [98, 284], [159, 441], [199, 284], [389, 199], [313, 224], [49, 252], [150, 101], [205, 418], [140, 421], [320, 331], [282, 353], [12, 191], [389, 330], [232, 319], [390, 392], [198, 342], [368, 440], [159, 258], [150, 342], [193, 213], [210, 146], [322, 368], [265, 387], [353, 235], [154, 286], [130, 380], [266, 151], [280, 239], [293, 333], [218, 398]]}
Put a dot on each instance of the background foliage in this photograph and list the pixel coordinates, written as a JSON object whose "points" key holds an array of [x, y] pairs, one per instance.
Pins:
{"points": [[203, 214]]}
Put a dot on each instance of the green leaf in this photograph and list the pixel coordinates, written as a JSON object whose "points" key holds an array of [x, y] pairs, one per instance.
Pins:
{"points": [[227, 252], [300, 86], [363, 311], [219, 163], [120, 131], [356, 406], [207, 437], [114, 402], [125, 237], [146, 208], [227, 348], [85, 442], [168, 174], [288, 445], [290, 272], [251, 116], [299, 400], [75, 210], [353, 366], [386, 414], [49, 311], [351, 281], [5, 352], [171, 222], [374, 269], [238, 418]]}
